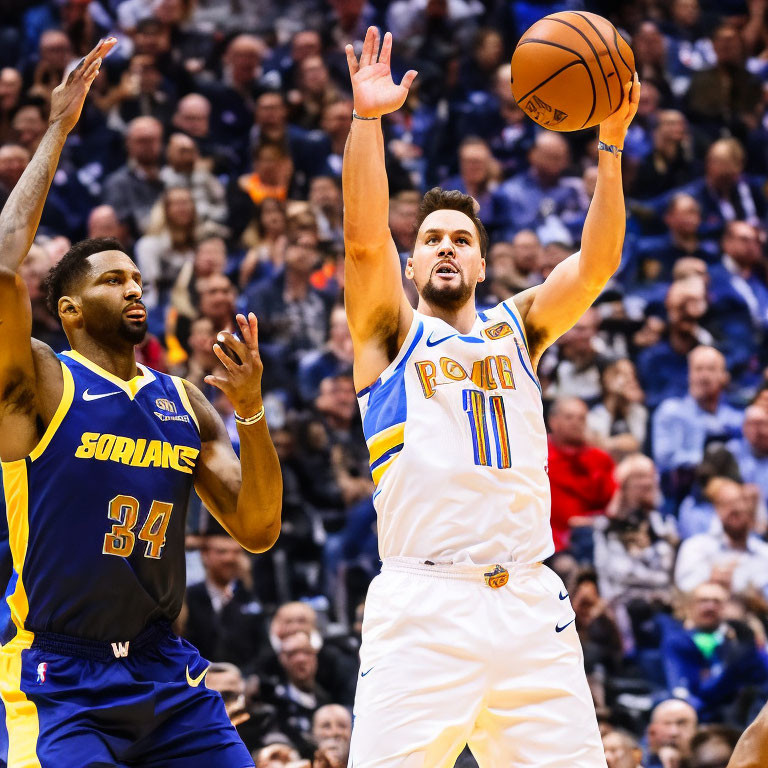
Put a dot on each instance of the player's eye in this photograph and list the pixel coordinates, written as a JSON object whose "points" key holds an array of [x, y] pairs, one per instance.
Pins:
{"points": [[113, 280], [462, 240]]}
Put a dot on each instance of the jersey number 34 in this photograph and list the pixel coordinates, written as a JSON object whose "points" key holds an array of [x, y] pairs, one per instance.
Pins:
{"points": [[121, 540]]}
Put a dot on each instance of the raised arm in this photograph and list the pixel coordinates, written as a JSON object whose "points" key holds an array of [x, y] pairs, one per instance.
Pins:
{"points": [[23, 409], [377, 310], [244, 496], [555, 306], [752, 749]]}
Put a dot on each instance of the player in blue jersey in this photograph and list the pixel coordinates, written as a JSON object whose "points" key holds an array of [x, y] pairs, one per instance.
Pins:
{"points": [[99, 455]]}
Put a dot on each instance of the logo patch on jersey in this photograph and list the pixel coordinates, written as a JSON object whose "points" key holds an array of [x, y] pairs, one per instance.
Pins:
{"points": [[120, 650], [492, 372], [87, 396], [137, 453], [168, 417], [195, 681], [42, 671], [498, 331], [497, 578], [165, 405]]}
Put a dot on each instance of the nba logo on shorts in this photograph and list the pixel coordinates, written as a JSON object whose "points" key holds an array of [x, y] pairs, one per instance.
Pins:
{"points": [[42, 670]]}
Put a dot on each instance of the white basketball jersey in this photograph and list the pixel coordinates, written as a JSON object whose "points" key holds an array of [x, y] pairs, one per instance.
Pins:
{"points": [[458, 447]]}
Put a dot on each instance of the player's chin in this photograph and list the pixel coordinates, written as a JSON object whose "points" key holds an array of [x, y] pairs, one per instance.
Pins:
{"points": [[134, 331]]}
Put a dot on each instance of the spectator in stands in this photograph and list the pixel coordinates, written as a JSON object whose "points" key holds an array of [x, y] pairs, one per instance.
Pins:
{"points": [[670, 733], [682, 427], [265, 238], [751, 449], [133, 189], [709, 662], [30, 123], [514, 267], [280, 756], [663, 366], [53, 55], [314, 91], [635, 543], [293, 315], [225, 620], [574, 367], [478, 175], [737, 282], [297, 695], [228, 680], [733, 556], [403, 220], [622, 750], [725, 193], [527, 200], [726, 95], [580, 475], [671, 161], [327, 205], [10, 91], [103, 222], [333, 359], [184, 169], [619, 422], [712, 746], [332, 731]]}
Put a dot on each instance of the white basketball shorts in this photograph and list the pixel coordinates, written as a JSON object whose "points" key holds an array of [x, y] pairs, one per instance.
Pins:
{"points": [[447, 660]]}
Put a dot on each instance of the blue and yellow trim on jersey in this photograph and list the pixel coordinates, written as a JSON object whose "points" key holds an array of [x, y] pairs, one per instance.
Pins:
{"points": [[527, 367], [131, 388], [385, 413], [21, 717]]}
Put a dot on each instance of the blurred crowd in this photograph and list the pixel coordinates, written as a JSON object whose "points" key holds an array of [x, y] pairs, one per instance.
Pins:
{"points": [[211, 146]]}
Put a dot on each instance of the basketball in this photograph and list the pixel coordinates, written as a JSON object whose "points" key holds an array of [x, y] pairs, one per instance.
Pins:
{"points": [[569, 70]]}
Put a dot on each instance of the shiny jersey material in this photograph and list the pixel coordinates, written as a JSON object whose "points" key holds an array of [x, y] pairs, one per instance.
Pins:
{"points": [[96, 513], [458, 446]]}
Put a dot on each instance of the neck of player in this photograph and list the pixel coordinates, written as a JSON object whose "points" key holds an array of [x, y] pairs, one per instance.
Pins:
{"points": [[461, 318], [119, 360]]}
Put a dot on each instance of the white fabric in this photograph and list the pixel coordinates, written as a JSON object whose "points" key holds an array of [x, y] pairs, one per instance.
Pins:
{"points": [[433, 501], [446, 660]]}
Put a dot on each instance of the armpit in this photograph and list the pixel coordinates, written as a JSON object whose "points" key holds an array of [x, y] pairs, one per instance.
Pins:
{"points": [[18, 394]]}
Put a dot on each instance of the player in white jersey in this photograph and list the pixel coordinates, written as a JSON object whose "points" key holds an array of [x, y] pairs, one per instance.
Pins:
{"points": [[467, 637]]}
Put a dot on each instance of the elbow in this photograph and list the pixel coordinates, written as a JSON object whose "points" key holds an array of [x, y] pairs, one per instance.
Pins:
{"points": [[265, 536]]}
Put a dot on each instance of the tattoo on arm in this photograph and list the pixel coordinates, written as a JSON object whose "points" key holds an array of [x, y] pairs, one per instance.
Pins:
{"points": [[21, 213]]}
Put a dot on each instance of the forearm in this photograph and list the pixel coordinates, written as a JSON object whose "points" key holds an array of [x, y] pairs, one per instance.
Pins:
{"points": [[603, 235], [365, 186], [752, 749], [259, 502], [21, 214]]}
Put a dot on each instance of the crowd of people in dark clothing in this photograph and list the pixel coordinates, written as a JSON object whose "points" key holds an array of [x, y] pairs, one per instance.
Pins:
{"points": [[211, 147]]}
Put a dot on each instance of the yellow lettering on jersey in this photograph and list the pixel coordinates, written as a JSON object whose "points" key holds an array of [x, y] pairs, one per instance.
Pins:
{"points": [[427, 371], [87, 446], [123, 450], [478, 374], [490, 382], [452, 370], [137, 453], [505, 372]]}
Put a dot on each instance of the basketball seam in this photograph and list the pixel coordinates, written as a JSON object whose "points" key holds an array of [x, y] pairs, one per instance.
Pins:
{"points": [[610, 55], [597, 58], [618, 50], [583, 61], [553, 75]]}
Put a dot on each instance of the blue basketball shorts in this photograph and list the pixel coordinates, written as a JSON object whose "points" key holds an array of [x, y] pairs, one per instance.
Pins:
{"points": [[70, 703]]}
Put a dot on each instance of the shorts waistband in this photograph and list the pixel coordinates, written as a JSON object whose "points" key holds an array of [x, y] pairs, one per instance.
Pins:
{"points": [[97, 650], [446, 569]]}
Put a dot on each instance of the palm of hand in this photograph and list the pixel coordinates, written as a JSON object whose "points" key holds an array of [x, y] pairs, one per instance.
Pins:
{"points": [[374, 91]]}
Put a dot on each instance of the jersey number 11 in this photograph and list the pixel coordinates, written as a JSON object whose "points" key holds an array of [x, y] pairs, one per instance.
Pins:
{"points": [[475, 406]]}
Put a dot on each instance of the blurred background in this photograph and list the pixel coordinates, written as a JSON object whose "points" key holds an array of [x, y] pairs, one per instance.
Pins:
{"points": [[211, 146]]}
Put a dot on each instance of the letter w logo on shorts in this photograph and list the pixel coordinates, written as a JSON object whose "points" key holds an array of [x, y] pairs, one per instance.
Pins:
{"points": [[120, 650]]}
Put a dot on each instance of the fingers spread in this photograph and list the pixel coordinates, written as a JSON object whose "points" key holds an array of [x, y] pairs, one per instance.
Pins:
{"points": [[386, 49], [351, 59], [366, 57], [408, 78], [226, 360]]}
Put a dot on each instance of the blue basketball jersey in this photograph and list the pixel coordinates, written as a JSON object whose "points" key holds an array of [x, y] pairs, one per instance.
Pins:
{"points": [[96, 513]]}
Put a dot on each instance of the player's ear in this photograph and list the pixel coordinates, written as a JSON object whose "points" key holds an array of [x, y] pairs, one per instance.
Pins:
{"points": [[69, 309], [481, 273], [409, 268]]}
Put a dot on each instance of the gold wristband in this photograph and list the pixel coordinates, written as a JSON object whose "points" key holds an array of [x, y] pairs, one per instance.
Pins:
{"points": [[251, 419]]}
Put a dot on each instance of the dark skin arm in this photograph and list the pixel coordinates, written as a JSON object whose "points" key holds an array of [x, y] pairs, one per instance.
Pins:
{"points": [[752, 749], [245, 496], [30, 374]]}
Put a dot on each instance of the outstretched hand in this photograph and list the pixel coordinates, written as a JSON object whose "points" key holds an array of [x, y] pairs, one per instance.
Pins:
{"points": [[68, 98], [241, 379], [375, 93], [614, 128]]}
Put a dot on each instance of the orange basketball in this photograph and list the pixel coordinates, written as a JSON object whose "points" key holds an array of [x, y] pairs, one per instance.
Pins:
{"points": [[569, 70]]}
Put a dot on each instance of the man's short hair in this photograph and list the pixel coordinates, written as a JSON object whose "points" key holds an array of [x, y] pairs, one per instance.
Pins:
{"points": [[438, 199], [73, 266]]}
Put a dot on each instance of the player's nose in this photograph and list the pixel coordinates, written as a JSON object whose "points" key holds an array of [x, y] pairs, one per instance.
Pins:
{"points": [[133, 290], [446, 246]]}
